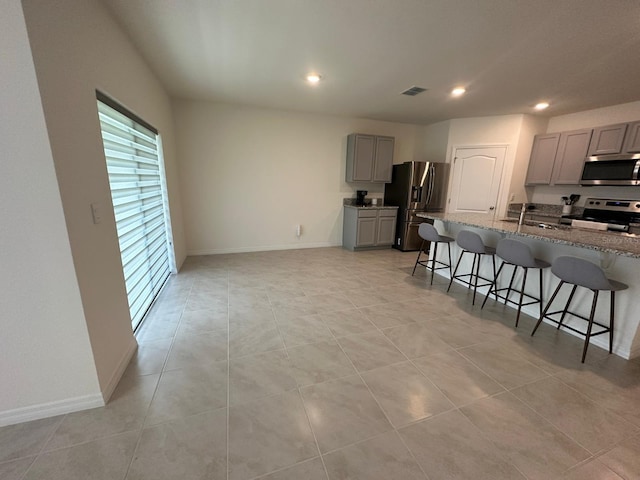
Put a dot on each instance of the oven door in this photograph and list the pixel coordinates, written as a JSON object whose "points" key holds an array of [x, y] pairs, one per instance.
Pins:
{"points": [[611, 170]]}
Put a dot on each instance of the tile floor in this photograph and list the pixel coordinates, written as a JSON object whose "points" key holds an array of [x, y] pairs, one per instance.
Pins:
{"points": [[327, 364]]}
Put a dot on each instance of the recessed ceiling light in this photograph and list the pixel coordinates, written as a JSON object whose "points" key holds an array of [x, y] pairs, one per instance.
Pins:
{"points": [[456, 92], [313, 78], [541, 106]]}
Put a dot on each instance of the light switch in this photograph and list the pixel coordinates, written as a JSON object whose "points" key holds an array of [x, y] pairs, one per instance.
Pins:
{"points": [[96, 211]]}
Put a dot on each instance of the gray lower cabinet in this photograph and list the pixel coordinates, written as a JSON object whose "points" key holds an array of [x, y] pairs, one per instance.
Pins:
{"points": [[369, 158], [368, 228], [386, 228]]}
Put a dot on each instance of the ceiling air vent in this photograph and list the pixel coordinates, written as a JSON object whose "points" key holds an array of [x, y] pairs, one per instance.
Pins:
{"points": [[413, 91]]}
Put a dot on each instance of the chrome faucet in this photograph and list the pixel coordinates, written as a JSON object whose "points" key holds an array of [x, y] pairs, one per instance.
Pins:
{"points": [[523, 212]]}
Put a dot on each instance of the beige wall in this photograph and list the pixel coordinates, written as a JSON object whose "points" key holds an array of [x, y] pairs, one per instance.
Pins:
{"points": [[46, 363], [249, 175], [531, 126], [495, 130], [626, 112], [435, 141], [77, 48]]}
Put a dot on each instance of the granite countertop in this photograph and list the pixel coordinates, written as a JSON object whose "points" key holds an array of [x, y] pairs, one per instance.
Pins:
{"points": [[371, 207], [351, 203], [624, 244], [541, 210]]}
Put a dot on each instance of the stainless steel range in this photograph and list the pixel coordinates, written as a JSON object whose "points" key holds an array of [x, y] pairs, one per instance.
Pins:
{"points": [[617, 215]]}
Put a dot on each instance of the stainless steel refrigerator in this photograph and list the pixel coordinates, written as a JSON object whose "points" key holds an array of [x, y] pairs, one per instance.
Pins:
{"points": [[415, 187]]}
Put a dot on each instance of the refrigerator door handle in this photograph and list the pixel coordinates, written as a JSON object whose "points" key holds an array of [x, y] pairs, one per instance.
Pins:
{"points": [[424, 175], [432, 175]]}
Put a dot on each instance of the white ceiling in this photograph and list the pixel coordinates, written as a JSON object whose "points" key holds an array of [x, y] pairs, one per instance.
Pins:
{"points": [[509, 54]]}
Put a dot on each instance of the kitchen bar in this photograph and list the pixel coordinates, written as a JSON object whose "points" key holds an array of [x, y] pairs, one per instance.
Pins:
{"points": [[617, 253]]}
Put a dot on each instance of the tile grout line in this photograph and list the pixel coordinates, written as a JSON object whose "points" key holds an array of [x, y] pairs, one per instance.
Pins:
{"points": [[304, 406], [396, 429], [155, 390], [228, 366], [393, 427]]}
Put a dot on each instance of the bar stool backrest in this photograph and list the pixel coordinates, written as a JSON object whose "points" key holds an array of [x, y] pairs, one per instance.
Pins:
{"points": [[580, 272], [428, 232], [515, 253], [470, 241]]}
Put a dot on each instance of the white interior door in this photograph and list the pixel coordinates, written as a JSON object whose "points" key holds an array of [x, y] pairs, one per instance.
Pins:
{"points": [[477, 173]]}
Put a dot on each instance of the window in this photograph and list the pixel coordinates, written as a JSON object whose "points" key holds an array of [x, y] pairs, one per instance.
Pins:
{"points": [[138, 191]]}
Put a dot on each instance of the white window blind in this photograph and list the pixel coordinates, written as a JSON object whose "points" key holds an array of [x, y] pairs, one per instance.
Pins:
{"points": [[136, 178]]}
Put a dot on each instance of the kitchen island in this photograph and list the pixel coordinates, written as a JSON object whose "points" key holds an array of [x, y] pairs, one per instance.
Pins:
{"points": [[617, 253]]}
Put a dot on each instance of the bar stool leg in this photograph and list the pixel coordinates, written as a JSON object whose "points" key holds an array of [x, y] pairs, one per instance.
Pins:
{"points": [[418, 259], [546, 308], [494, 284], [566, 307], [450, 263], [593, 311], [613, 303], [493, 261], [455, 270], [475, 283], [524, 281], [513, 276], [433, 261], [540, 272]]}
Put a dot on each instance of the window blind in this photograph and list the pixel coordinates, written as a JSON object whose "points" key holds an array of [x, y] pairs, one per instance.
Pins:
{"points": [[136, 179]]}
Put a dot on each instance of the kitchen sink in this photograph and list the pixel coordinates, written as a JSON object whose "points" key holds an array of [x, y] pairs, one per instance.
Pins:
{"points": [[531, 223]]}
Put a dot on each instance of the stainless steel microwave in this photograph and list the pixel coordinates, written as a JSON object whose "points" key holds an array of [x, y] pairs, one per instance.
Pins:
{"points": [[611, 170]]}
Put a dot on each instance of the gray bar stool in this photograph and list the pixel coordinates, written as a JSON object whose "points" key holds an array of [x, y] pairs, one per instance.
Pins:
{"points": [[517, 254], [428, 233], [471, 242], [582, 273]]}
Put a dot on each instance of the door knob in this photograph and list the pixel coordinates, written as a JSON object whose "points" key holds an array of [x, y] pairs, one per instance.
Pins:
{"points": [[491, 208]]}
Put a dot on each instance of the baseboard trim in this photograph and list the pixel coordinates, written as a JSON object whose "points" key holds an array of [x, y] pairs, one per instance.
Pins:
{"points": [[109, 388], [292, 246], [50, 409]]}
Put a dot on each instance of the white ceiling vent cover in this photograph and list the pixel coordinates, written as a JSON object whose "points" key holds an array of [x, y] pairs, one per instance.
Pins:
{"points": [[413, 91]]}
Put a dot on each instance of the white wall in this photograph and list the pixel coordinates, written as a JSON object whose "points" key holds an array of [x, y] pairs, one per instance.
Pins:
{"points": [[626, 112], [435, 141], [46, 364], [531, 126], [78, 48], [496, 130], [249, 175]]}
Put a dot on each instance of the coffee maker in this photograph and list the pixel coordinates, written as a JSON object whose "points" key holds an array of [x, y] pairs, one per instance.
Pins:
{"points": [[360, 194]]}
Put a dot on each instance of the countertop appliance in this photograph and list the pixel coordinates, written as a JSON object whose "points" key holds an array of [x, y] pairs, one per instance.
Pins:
{"points": [[616, 215], [415, 187], [611, 170], [360, 194]]}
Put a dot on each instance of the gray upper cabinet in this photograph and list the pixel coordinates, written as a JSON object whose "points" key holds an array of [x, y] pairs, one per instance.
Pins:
{"points": [[543, 155], [383, 159], [632, 143], [369, 158], [607, 140], [569, 160]]}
